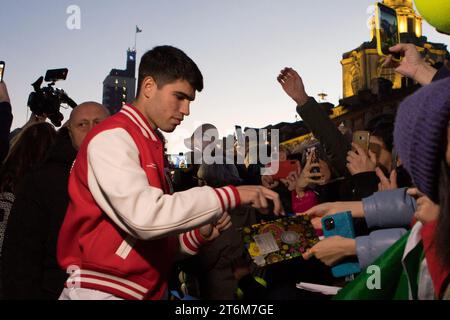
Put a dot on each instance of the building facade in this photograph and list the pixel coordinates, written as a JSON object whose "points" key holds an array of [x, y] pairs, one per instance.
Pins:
{"points": [[119, 87]]}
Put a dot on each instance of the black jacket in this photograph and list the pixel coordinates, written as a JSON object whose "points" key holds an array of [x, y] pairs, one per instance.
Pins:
{"points": [[30, 268]]}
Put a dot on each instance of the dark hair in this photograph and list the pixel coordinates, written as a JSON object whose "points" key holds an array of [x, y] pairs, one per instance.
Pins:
{"points": [[382, 126], [29, 150], [219, 175], [442, 234], [166, 64]]}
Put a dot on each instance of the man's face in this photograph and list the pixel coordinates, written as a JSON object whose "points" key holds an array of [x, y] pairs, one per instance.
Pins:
{"points": [[384, 157], [168, 105], [83, 119]]}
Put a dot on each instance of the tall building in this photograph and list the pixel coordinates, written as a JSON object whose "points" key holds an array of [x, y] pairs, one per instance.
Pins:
{"points": [[119, 87], [362, 67]]}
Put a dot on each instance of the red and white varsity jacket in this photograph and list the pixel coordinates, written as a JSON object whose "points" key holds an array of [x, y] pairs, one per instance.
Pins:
{"points": [[123, 229]]}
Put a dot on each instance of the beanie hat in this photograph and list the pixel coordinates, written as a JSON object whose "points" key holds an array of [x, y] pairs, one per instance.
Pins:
{"points": [[436, 13], [420, 134]]}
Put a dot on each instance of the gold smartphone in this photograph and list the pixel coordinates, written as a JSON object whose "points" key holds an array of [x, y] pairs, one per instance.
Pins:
{"points": [[362, 138]]}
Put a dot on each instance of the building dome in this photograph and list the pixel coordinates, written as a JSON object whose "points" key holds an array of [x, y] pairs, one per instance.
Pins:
{"points": [[399, 3]]}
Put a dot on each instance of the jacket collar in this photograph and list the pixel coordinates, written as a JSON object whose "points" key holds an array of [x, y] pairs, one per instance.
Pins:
{"points": [[138, 118]]}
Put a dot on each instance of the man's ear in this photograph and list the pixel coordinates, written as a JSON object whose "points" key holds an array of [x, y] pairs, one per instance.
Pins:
{"points": [[148, 87]]}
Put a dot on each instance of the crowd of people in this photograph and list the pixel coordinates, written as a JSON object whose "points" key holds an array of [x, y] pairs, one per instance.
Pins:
{"points": [[93, 211]]}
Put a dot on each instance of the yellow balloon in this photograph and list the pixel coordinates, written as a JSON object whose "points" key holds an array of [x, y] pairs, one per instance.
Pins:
{"points": [[436, 13]]}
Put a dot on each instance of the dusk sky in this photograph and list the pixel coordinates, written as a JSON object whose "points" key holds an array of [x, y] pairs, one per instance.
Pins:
{"points": [[240, 47]]}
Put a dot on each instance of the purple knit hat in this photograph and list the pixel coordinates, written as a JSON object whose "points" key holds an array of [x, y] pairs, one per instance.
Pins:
{"points": [[420, 134]]}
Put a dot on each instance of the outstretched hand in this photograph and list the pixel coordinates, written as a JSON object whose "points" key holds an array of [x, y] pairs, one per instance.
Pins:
{"points": [[258, 197], [292, 84]]}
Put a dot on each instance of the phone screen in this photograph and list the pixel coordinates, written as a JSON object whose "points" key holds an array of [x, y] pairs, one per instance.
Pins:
{"points": [[2, 69], [178, 161], [388, 29]]}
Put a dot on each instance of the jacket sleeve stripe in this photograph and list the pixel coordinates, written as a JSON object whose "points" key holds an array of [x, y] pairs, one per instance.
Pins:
{"points": [[220, 199], [235, 192], [188, 245], [199, 237], [194, 238]]}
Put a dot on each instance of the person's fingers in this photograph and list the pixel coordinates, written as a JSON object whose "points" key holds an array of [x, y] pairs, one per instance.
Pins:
{"points": [[359, 150], [393, 178], [352, 155], [222, 218], [414, 192], [309, 254], [275, 198], [263, 201], [380, 174], [400, 47], [225, 224]]}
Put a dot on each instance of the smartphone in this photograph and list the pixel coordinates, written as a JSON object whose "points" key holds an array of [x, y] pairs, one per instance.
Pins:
{"points": [[362, 138], [56, 74], [387, 31], [285, 168], [341, 224], [2, 70]]}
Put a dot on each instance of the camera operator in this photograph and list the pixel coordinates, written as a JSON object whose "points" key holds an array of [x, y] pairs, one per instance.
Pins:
{"points": [[6, 118], [30, 269]]}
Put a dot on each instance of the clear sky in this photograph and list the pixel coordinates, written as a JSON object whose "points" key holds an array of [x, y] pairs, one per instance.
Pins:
{"points": [[240, 46]]}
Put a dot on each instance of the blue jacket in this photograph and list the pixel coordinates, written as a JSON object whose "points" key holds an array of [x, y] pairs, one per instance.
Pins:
{"points": [[393, 209]]}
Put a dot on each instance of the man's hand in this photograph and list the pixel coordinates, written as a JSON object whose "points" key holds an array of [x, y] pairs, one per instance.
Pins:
{"points": [[212, 231], [385, 183], [412, 65], [4, 97], [360, 161], [269, 182], [427, 211], [332, 250], [257, 197], [293, 85]]}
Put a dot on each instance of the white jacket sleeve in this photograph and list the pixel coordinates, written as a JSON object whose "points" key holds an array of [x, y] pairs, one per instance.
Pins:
{"points": [[120, 187]]}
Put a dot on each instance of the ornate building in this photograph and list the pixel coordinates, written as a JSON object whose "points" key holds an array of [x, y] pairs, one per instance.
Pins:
{"points": [[362, 67], [368, 88]]}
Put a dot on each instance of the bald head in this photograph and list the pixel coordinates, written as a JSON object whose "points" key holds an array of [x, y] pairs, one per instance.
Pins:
{"points": [[83, 118]]}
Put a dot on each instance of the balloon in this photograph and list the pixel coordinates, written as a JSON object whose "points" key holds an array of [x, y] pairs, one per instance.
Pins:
{"points": [[436, 13]]}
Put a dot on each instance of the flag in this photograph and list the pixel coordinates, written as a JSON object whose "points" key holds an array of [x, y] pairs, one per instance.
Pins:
{"points": [[138, 30]]}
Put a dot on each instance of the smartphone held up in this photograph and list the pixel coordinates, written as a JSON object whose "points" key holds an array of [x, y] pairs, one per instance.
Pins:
{"points": [[2, 70], [387, 31]]}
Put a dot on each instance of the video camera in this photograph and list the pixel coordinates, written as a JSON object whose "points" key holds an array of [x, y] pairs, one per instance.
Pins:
{"points": [[47, 100]]}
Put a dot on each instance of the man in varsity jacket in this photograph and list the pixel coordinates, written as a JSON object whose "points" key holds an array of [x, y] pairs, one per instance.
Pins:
{"points": [[123, 228]]}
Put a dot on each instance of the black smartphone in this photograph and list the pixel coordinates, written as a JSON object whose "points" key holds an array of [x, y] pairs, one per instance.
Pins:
{"points": [[56, 74], [387, 30], [2, 70]]}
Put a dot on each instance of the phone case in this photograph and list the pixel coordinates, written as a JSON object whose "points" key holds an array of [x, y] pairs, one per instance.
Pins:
{"points": [[342, 226], [379, 29], [362, 138]]}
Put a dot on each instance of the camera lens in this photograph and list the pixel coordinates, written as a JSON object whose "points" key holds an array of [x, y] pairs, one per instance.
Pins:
{"points": [[329, 224]]}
